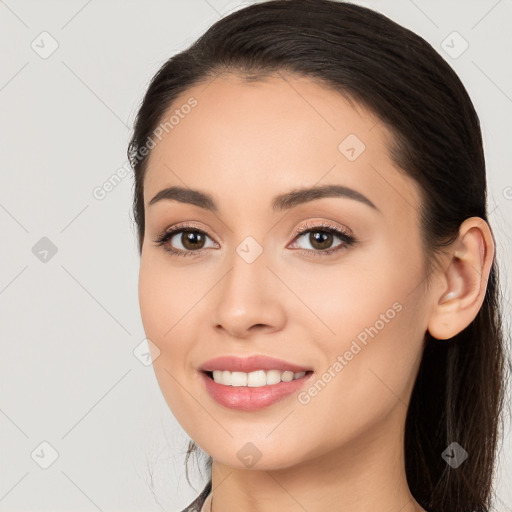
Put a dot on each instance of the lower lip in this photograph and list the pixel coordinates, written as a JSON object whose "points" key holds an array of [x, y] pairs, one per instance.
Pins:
{"points": [[244, 398]]}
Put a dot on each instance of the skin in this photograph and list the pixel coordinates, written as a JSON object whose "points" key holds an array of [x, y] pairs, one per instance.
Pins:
{"points": [[244, 143]]}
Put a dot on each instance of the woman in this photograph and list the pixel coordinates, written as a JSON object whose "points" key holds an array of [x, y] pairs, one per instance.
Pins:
{"points": [[318, 276]]}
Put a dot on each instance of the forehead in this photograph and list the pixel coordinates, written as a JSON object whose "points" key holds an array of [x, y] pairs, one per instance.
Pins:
{"points": [[256, 139]]}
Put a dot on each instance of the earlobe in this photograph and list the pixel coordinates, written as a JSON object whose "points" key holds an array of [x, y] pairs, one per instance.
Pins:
{"points": [[464, 281]]}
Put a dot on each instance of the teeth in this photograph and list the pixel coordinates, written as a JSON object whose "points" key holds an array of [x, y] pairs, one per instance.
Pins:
{"points": [[254, 379]]}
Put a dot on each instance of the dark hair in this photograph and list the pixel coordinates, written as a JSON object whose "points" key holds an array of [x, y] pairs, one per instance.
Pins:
{"points": [[459, 391]]}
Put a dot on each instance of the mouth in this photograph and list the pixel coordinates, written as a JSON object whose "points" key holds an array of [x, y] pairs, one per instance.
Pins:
{"points": [[250, 392], [255, 379]]}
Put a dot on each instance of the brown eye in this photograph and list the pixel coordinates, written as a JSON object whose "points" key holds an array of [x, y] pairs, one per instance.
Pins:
{"points": [[192, 240], [320, 239], [183, 241]]}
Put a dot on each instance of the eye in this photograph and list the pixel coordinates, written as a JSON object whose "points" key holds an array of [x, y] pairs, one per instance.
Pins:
{"points": [[190, 238], [321, 238]]}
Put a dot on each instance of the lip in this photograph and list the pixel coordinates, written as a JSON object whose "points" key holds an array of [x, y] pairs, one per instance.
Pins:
{"points": [[250, 364], [244, 398]]}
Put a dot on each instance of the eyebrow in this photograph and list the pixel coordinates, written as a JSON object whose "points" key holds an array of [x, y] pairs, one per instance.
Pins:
{"points": [[281, 202]]}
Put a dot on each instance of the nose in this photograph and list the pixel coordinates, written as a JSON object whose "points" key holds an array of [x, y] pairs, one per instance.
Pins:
{"points": [[249, 299]]}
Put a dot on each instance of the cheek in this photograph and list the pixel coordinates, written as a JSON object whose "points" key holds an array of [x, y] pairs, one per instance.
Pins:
{"points": [[344, 299], [166, 295], [152, 301], [164, 300], [371, 314], [370, 367]]}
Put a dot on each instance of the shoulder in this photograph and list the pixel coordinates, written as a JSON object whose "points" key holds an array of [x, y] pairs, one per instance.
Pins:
{"points": [[197, 504]]}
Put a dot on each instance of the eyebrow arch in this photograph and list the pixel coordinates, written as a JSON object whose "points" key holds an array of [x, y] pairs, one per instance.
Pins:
{"points": [[281, 202]]}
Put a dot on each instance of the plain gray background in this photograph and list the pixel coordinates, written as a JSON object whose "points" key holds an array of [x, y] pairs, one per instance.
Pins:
{"points": [[69, 377]]}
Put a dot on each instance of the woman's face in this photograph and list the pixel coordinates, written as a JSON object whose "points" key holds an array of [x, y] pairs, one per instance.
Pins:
{"points": [[247, 285]]}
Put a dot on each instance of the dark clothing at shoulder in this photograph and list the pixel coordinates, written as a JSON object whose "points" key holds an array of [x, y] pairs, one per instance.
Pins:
{"points": [[196, 505]]}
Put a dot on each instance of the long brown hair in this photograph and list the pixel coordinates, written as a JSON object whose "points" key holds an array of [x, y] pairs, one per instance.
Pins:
{"points": [[459, 392]]}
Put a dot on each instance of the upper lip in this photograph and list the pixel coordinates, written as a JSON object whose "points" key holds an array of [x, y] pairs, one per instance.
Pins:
{"points": [[250, 364]]}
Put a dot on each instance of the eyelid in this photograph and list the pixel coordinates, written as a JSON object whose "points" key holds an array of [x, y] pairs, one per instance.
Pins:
{"points": [[312, 224], [183, 226]]}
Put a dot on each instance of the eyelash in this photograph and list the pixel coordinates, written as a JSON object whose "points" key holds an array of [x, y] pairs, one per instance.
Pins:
{"points": [[346, 238]]}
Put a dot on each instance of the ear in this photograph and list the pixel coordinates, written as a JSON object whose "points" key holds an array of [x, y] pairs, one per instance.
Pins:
{"points": [[464, 280]]}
